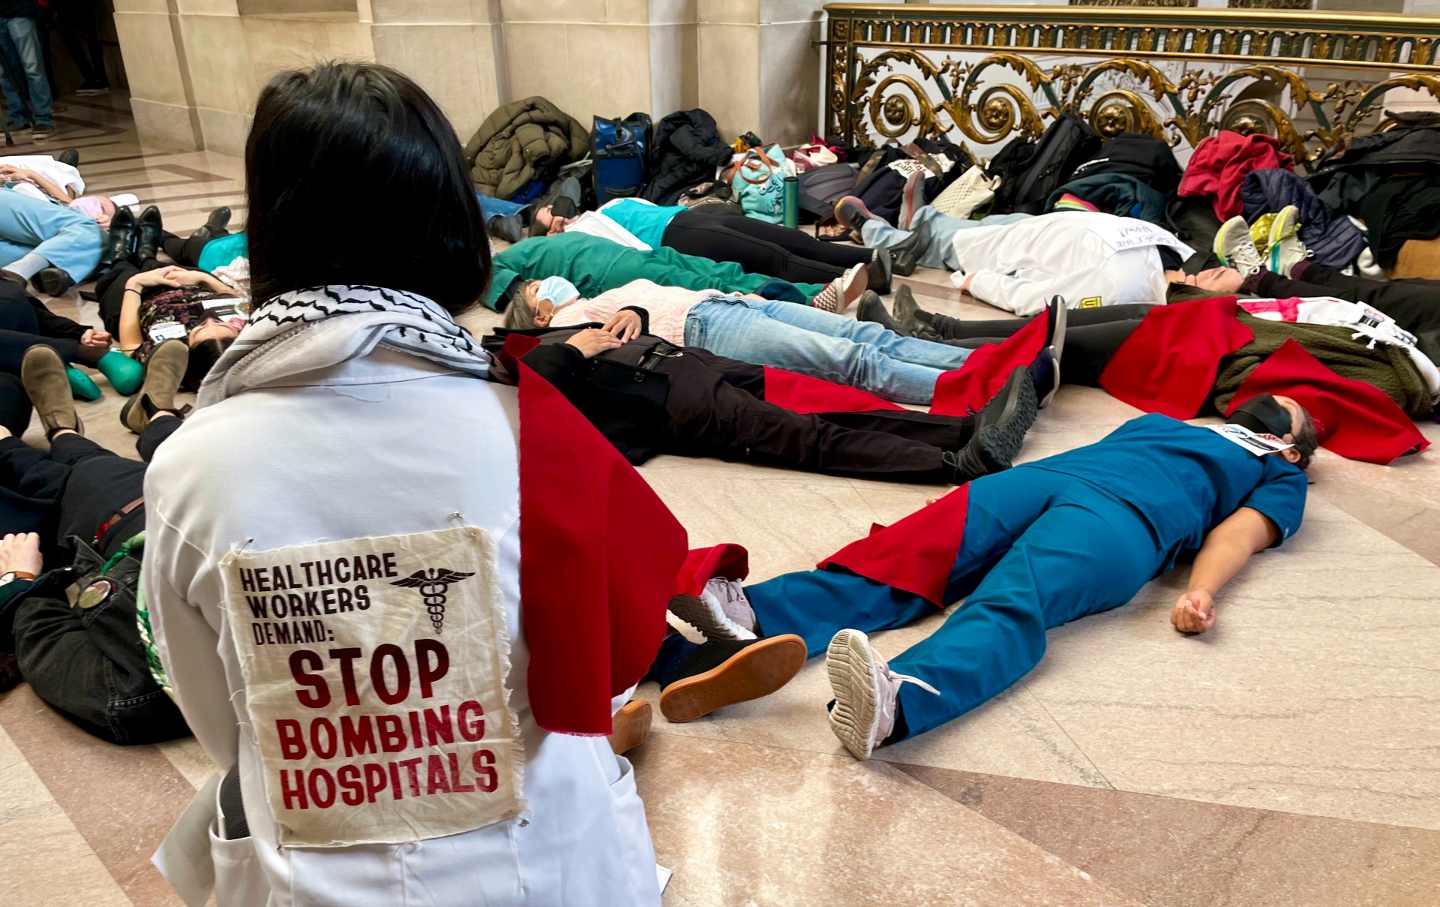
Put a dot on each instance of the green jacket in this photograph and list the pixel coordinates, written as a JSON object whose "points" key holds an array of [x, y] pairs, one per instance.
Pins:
{"points": [[595, 265], [521, 141]]}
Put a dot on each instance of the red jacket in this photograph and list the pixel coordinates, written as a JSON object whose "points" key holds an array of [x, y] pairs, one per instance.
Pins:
{"points": [[1220, 164]]}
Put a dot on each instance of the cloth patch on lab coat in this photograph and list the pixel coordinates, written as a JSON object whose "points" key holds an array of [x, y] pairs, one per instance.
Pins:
{"points": [[375, 676], [1091, 302], [1256, 443]]}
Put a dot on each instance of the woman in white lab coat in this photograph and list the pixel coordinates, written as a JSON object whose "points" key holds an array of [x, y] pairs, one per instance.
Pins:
{"points": [[333, 559]]}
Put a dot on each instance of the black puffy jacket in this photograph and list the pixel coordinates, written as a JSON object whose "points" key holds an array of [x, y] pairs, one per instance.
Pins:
{"points": [[688, 149]]}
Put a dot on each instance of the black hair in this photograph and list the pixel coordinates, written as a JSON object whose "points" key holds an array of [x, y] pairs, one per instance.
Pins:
{"points": [[353, 175], [203, 357], [1306, 440]]}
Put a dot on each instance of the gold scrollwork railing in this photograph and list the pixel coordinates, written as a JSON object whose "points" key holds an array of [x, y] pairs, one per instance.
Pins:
{"points": [[1243, 70]]}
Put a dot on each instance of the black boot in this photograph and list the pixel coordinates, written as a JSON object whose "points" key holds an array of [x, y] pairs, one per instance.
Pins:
{"points": [[999, 430], [149, 231], [873, 310], [120, 242], [881, 268], [905, 255], [52, 281], [214, 226], [909, 318]]}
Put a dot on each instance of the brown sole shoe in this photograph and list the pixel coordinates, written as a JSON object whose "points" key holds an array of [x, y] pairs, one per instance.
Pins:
{"points": [[42, 372], [163, 373], [755, 671], [631, 726]]}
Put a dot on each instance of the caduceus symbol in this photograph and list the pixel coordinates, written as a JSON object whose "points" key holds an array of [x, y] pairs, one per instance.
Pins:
{"points": [[433, 584]]}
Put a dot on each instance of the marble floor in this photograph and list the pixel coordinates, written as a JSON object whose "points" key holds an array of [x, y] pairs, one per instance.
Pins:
{"points": [[1291, 757]]}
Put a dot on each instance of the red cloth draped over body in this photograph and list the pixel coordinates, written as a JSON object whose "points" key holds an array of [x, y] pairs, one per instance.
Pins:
{"points": [[1168, 364], [1352, 418], [804, 394], [599, 553], [1220, 164], [968, 388], [914, 555]]}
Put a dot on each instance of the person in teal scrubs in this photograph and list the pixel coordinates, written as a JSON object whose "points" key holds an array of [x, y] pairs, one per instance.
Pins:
{"points": [[595, 265], [1041, 545]]}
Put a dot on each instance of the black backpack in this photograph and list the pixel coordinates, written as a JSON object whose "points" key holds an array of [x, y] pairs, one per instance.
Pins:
{"points": [[1144, 157], [1030, 171]]}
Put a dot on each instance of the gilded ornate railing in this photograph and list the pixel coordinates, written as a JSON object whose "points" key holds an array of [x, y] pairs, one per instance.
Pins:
{"points": [[1181, 74]]}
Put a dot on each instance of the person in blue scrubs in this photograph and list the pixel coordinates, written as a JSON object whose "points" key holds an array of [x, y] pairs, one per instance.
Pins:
{"points": [[1043, 544], [721, 232]]}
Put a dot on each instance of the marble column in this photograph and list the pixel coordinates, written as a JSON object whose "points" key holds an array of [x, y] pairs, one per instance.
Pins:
{"points": [[758, 69], [156, 68]]}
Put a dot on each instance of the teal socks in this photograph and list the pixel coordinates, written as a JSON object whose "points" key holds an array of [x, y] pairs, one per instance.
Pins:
{"points": [[81, 387], [124, 374]]}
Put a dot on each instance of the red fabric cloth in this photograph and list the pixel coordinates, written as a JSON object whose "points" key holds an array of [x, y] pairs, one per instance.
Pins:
{"points": [[804, 394], [704, 564], [914, 555], [968, 388], [595, 579], [1219, 166], [1168, 364], [1354, 419]]}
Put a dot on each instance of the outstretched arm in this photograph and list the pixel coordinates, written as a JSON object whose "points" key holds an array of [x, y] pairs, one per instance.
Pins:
{"points": [[1226, 549]]}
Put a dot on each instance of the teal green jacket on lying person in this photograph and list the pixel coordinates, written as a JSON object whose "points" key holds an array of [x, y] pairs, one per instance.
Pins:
{"points": [[595, 265]]}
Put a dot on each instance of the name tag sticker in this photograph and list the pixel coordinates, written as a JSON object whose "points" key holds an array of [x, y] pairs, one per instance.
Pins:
{"points": [[1257, 444], [167, 330], [375, 676]]}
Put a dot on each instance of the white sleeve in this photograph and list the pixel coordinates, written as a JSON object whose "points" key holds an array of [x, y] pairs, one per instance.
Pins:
{"points": [[1020, 295], [188, 643]]}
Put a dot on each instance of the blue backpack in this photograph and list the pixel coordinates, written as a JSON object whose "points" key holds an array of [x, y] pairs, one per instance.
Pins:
{"points": [[621, 152]]}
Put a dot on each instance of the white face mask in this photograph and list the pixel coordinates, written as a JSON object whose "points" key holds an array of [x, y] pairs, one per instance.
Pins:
{"points": [[558, 290]]}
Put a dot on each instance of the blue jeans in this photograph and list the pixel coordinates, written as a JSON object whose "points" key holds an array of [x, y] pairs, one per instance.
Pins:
{"points": [[1039, 549], [21, 54], [63, 236], [496, 207], [939, 251], [822, 344]]}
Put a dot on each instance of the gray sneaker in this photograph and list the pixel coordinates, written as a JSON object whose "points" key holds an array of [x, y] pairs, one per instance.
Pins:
{"points": [[867, 693]]}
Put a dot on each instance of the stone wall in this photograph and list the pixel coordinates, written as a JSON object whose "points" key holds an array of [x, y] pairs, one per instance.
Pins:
{"points": [[196, 66]]}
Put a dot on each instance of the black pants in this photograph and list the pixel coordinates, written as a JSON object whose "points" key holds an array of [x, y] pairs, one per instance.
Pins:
{"points": [[14, 407], [716, 408], [1414, 304], [720, 233], [20, 330], [1091, 337], [72, 488]]}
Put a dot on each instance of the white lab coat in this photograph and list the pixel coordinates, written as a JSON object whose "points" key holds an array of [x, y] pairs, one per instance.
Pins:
{"points": [[385, 444], [1089, 258]]}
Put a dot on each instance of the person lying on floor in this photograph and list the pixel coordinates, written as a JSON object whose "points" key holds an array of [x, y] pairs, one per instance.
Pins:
{"points": [[144, 303], [78, 509], [1018, 263], [722, 232], [648, 396], [25, 321], [1351, 339], [595, 265], [138, 238], [750, 329], [52, 242], [1030, 549]]}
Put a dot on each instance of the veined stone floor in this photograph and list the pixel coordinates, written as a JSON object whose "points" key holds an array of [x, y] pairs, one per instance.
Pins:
{"points": [[1292, 757]]}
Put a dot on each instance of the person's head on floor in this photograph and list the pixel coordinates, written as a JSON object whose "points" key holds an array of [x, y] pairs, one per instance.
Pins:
{"points": [[534, 302], [1214, 280], [207, 341], [1286, 419], [354, 176], [99, 208], [549, 220]]}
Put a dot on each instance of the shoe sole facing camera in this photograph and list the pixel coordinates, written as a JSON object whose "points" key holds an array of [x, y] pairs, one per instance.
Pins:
{"points": [[850, 665], [754, 672], [631, 726], [1002, 434]]}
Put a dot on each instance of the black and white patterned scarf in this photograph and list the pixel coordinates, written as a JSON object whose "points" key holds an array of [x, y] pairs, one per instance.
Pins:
{"points": [[321, 327]]}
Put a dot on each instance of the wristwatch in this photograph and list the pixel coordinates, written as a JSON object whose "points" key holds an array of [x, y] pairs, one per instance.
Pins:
{"points": [[13, 575]]}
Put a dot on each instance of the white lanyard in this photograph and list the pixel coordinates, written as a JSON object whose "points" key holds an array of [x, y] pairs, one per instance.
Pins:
{"points": [[1257, 444]]}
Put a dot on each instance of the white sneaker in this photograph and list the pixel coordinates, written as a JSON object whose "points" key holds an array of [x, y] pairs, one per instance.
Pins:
{"points": [[720, 612], [842, 292], [866, 693], [1286, 249], [971, 190], [1235, 247]]}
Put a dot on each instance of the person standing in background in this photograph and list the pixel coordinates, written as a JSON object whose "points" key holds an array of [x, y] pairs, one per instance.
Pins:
{"points": [[23, 55], [78, 22]]}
